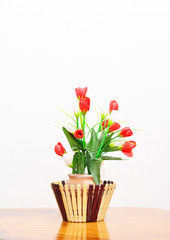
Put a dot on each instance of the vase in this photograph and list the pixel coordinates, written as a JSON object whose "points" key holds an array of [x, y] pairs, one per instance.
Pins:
{"points": [[81, 179], [80, 200]]}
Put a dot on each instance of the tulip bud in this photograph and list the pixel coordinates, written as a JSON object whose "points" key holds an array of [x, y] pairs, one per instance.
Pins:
{"points": [[125, 132], [59, 149], [79, 133], [133, 144], [115, 126], [84, 104], [116, 144], [70, 128], [103, 116], [113, 106], [127, 148], [112, 144], [81, 92], [104, 124], [110, 121], [68, 159], [76, 111]]}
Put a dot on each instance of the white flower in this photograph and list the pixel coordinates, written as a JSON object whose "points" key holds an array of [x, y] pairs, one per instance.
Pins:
{"points": [[76, 110], [115, 116], [102, 163], [70, 128], [117, 143], [68, 158]]}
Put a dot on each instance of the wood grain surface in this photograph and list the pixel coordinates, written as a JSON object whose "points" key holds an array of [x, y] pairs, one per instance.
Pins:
{"points": [[119, 224]]}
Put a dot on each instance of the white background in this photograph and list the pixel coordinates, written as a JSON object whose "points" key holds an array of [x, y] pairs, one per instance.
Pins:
{"points": [[120, 50]]}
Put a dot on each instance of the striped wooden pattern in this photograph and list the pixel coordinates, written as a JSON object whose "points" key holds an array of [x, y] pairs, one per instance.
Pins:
{"points": [[95, 198], [79, 203], [58, 196], [98, 202], [69, 203], [100, 213], [84, 202], [87, 204], [64, 201], [106, 201], [74, 204]]}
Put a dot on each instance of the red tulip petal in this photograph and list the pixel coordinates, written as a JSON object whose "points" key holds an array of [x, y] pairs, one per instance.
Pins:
{"points": [[84, 104], [133, 144], [128, 154], [81, 92], [113, 106], [79, 133]]}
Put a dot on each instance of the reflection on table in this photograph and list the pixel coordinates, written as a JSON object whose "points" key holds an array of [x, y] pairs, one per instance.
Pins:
{"points": [[119, 224], [96, 230]]}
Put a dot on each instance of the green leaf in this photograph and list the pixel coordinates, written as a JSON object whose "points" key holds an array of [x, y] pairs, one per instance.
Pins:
{"points": [[94, 144], [92, 128], [95, 169], [78, 163], [75, 143], [67, 114], [111, 149], [111, 158], [107, 140], [87, 160], [74, 164], [102, 136]]}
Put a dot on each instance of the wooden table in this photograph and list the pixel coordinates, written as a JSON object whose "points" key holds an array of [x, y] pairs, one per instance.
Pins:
{"points": [[119, 224]]}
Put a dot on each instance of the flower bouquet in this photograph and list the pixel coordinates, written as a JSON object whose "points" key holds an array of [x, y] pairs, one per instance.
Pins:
{"points": [[84, 197]]}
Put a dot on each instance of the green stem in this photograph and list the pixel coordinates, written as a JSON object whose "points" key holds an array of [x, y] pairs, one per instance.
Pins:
{"points": [[117, 131], [97, 112], [83, 164], [87, 126], [113, 141], [77, 120], [106, 146], [81, 121], [114, 137], [84, 130], [98, 153]]}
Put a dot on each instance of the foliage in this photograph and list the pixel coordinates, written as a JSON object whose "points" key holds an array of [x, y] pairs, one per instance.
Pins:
{"points": [[90, 152]]}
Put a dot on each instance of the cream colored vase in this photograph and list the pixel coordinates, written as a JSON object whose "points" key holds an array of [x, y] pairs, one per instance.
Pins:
{"points": [[81, 179]]}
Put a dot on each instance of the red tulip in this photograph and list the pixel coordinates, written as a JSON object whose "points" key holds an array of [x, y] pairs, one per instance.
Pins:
{"points": [[59, 149], [133, 144], [81, 92], [105, 124], [79, 133], [127, 148], [84, 104], [113, 106], [125, 132], [115, 126]]}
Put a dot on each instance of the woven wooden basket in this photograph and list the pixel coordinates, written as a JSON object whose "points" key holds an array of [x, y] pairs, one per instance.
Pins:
{"points": [[86, 204]]}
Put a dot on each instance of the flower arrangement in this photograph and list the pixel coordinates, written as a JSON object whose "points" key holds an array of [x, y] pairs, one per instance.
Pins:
{"points": [[89, 149]]}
